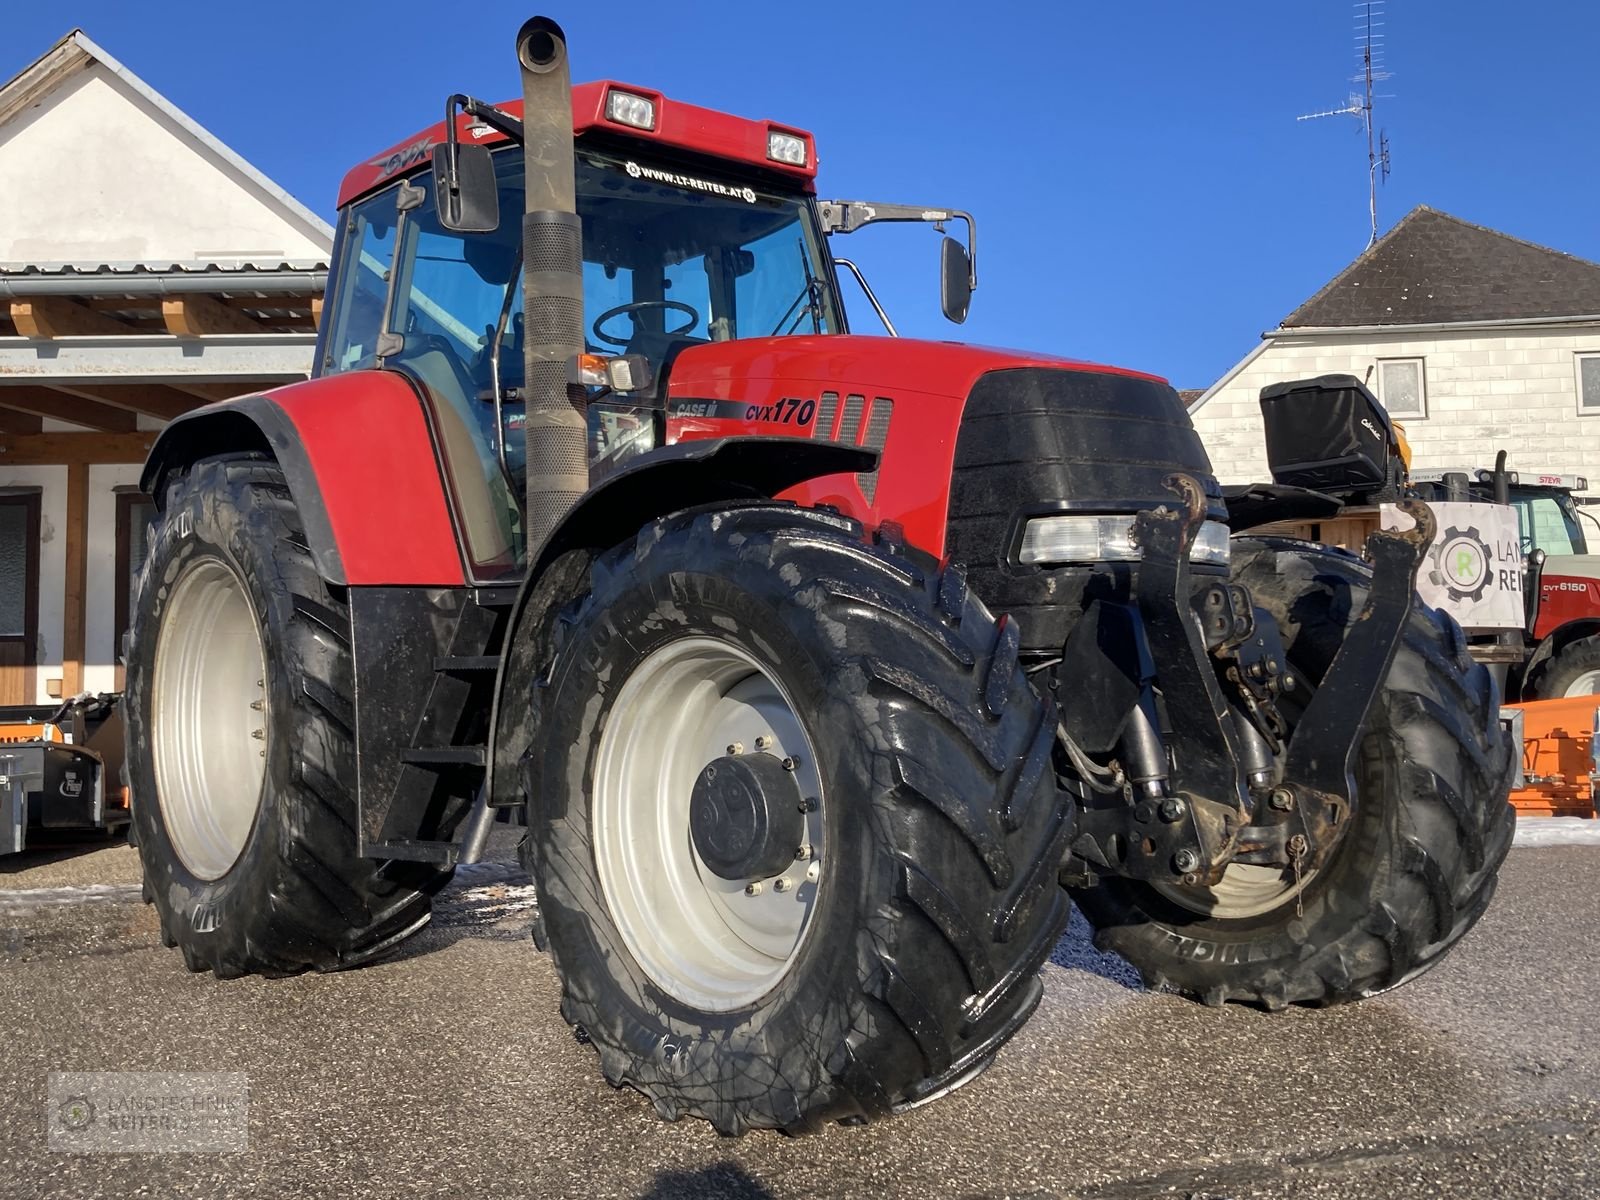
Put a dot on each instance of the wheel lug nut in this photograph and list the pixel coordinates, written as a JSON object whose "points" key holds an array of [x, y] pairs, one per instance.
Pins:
{"points": [[753, 889], [802, 852], [258, 734], [763, 742], [808, 805], [790, 764], [780, 884], [736, 748]]}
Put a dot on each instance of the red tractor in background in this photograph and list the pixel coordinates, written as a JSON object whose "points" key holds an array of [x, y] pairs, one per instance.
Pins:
{"points": [[596, 508]]}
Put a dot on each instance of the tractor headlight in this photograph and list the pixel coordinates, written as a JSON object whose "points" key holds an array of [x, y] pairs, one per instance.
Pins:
{"points": [[1092, 539], [786, 148], [627, 109]]}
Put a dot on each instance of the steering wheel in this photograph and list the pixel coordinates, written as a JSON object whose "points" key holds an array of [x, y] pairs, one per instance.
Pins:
{"points": [[639, 306]]}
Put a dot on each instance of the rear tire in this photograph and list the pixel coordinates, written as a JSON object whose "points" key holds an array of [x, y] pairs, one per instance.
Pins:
{"points": [[1573, 670], [1432, 825], [939, 823], [252, 865]]}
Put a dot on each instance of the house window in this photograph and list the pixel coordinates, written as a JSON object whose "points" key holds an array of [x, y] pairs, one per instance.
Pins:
{"points": [[134, 514], [1588, 383], [1400, 387]]}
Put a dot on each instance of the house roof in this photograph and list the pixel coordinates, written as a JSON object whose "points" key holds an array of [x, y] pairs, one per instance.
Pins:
{"points": [[1433, 268], [77, 52]]}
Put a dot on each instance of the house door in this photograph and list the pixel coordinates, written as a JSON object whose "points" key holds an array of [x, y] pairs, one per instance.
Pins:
{"points": [[19, 597]]}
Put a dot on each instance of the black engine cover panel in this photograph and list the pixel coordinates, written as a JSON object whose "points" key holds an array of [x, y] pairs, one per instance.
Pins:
{"points": [[1038, 440]]}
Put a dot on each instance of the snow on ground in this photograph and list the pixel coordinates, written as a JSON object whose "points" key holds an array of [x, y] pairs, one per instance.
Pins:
{"points": [[1557, 831], [45, 897]]}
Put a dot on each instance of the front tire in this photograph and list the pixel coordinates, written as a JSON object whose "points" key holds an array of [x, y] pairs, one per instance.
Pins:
{"points": [[921, 899], [1416, 869], [240, 741]]}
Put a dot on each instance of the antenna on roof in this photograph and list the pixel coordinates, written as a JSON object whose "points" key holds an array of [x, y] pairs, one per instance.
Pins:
{"points": [[1369, 50]]}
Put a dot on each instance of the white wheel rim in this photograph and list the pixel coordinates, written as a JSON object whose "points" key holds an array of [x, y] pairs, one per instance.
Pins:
{"points": [[1245, 890], [702, 939], [208, 717], [1586, 684]]}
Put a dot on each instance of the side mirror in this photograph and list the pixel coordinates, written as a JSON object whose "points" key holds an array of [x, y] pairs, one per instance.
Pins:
{"points": [[469, 200], [955, 280]]}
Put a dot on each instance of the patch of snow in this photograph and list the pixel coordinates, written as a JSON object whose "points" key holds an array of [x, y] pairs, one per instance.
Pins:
{"points": [[1557, 831], [88, 893]]}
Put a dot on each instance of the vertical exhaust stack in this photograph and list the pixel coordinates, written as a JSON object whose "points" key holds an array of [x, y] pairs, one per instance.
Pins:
{"points": [[552, 297]]}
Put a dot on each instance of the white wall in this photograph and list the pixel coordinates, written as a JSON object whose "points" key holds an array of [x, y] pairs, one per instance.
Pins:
{"points": [[96, 173], [1514, 390], [51, 482], [100, 584]]}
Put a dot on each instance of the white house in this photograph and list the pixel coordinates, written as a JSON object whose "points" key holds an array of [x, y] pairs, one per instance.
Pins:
{"points": [[145, 270], [1474, 340]]}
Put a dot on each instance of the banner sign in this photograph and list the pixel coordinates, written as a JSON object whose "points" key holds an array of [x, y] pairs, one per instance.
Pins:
{"points": [[1474, 568]]}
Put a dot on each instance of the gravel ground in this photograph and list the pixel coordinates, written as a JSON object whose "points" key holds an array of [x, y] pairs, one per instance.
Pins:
{"points": [[447, 1071]]}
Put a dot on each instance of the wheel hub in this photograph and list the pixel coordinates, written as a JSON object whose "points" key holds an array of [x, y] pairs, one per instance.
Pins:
{"points": [[745, 815]]}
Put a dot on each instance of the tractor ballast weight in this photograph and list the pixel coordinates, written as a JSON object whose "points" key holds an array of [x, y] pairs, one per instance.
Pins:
{"points": [[803, 814]]}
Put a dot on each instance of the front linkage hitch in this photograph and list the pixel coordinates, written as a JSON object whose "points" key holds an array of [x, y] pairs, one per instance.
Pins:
{"points": [[1318, 793], [1207, 774]]}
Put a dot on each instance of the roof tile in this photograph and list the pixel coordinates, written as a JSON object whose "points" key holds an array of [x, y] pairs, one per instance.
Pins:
{"points": [[1433, 268]]}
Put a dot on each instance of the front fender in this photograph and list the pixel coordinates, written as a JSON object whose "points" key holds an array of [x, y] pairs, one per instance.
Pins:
{"points": [[359, 460], [677, 477]]}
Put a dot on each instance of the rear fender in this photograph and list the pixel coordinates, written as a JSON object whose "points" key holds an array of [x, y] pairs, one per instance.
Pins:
{"points": [[686, 475], [360, 463], [1558, 640]]}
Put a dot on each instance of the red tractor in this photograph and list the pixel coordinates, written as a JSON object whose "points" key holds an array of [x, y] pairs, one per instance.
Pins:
{"points": [[596, 509]]}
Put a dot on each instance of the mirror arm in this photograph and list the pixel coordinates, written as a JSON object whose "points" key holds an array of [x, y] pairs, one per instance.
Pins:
{"points": [[495, 118], [866, 290], [478, 110], [847, 216], [452, 144]]}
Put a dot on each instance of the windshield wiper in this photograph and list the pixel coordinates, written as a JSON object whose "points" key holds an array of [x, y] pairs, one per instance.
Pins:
{"points": [[811, 291]]}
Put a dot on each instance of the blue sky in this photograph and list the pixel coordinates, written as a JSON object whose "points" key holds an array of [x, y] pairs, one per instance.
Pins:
{"points": [[1144, 193]]}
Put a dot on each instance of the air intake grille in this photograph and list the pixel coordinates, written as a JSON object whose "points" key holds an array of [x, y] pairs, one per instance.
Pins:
{"points": [[827, 417], [876, 437], [849, 427]]}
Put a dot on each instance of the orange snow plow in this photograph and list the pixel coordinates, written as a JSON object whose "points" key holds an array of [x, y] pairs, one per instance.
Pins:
{"points": [[1558, 756]]}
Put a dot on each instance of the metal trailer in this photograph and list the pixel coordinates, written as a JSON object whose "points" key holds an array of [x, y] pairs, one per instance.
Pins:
{"points": [[60, 770]]}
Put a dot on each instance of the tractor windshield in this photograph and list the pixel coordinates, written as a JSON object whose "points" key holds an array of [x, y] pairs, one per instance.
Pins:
{"points": [[671, 260], [1548, 521]]}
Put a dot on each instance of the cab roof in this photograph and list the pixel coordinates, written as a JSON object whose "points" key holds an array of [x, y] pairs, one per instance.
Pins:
{"points": [[679, 125]]}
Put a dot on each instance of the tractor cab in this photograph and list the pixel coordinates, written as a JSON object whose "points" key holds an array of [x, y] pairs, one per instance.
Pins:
{"points": [[670, 260], [697, 228]]}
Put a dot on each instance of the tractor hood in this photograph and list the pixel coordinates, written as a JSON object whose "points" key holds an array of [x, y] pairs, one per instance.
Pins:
{"points": [[848, 362], [1572, 566]]}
